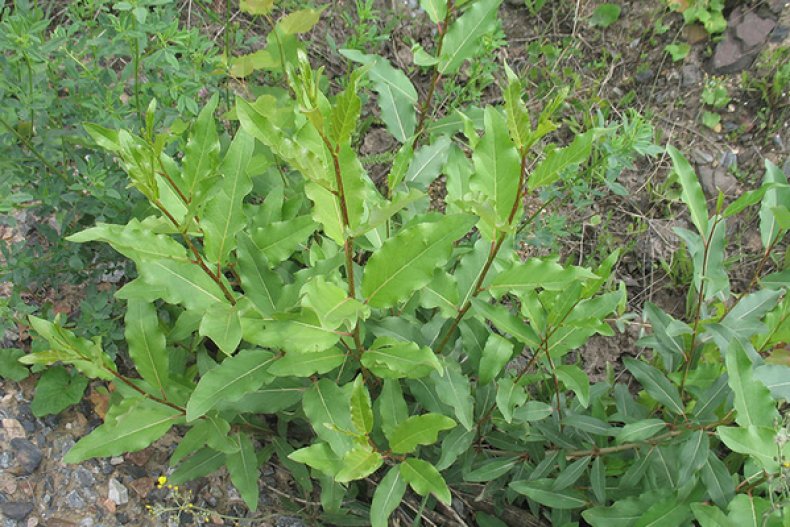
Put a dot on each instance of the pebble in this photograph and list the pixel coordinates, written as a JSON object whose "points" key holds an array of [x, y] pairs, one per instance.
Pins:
{"points": [[701, 157], [645, 75], [729, 159], [16, 510], [691, 75], [116, 460], [84, 476], [74, 500], [117, 492], [28, 457], [289, 521]]}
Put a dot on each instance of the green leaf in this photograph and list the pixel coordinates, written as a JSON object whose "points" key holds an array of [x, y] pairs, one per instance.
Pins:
{"points": [[256, 7], [390, 358], [463, 36], [496, 355], [261, 285], [532, 411], [457, 442], [753, 402], [387, 497], [691, 193], [361, 407], [605, 15], [10, 367], [147, 344], [509, 395], [656, 384], [575, 380], [222, 325], [598, 479], [427, 163], [775, 377], [406, 261], [436, 9], [202, 463], [640, 430], [299, 332], [345, 112], [306, 364], [535, 273], [326, 405], [243, 469], [710, 516], [180, 283], [718, 480], [300, 21], [779, 194], [667, 512], [693, 454], [223, 216], [418, 430], [65, 346], [571, 473], [679, 52], [441, 292], [622, 513], [454, 389], [359, 462], [278, 241], [230, 381], [145, 422], [748, 511], [541, 491], [491, 470], [201, 154], [497, 168], [133, 241], [332, 304], [560, 159], [518, 122], [276, 396], [318, 456], [56, 390], [424, 478], [754, 441], [396, 94], [745, 200], [391, 406], [507, 322]]}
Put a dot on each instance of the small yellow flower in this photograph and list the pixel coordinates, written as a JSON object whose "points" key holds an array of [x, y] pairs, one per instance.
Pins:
{"points": [[161, 481], [786, 464]]}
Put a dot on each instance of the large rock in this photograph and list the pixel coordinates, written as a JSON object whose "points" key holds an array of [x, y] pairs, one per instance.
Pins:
{"points": [[746, 34]]}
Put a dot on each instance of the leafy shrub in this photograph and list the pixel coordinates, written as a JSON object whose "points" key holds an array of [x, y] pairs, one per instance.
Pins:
{"points": [[280, 291]]}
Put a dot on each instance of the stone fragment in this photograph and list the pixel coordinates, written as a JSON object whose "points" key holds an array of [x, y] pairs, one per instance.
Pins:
{"points": [[13, 429], [116, 460], [728, 57], [16, 510], [74, 500], [117, 493], [691, 75], [753, 30], [701, 157], [27, 457]]}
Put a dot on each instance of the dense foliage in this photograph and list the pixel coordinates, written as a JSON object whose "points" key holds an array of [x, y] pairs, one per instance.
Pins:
{"points": [[377, 341]]}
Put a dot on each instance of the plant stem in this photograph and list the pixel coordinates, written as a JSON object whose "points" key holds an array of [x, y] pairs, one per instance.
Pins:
{"points": [[145, 394], [700, 298], [348, 244], [425, 107], [216, 277], [492, 254], [139, 106]]}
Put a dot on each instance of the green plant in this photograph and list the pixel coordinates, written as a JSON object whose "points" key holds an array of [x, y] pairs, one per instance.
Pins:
{"points": [[709, 13], [715, 95], [605, 15], [375, 344]]}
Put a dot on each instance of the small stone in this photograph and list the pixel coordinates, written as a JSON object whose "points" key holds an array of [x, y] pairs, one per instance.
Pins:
{"points": [[13, 428], [780, 33], [27, 459], [729, 159], [117, 492], [142, 486], [645, 75], [753, 30], [691, 75], [728, 57], [32, 522], [116, 460], [74, 500], [86, 522], [289, 521], [84, 476], [16, 510], [701, 157]]}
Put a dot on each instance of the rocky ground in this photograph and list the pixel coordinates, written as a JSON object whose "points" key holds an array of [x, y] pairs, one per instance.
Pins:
{"points": [[37, 489]]}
